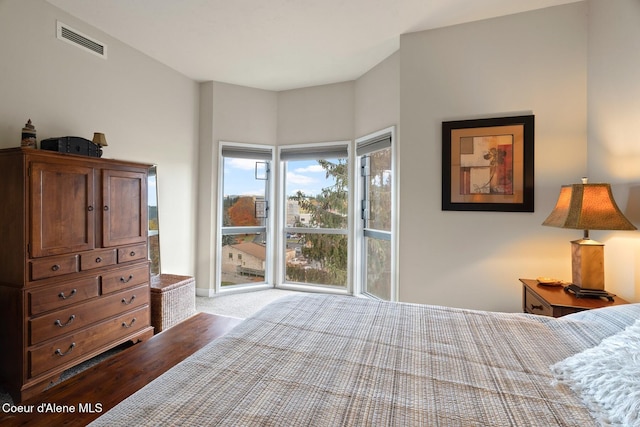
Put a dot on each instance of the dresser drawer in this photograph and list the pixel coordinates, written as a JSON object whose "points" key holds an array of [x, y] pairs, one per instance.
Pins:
{"points": [[534, 305], [125, 278], [71, 347], [53, 266], [97, 259], [63, 294], [132, 253], [79, 316]]}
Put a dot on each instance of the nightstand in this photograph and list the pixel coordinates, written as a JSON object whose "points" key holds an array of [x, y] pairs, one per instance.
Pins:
{"points": [[554, 301]]}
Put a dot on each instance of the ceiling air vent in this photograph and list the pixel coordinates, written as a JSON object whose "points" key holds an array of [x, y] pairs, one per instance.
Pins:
{"points": [[76, 38]]}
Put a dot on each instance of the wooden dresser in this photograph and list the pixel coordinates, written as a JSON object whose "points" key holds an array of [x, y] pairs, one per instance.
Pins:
{"points": [[74, 273]]}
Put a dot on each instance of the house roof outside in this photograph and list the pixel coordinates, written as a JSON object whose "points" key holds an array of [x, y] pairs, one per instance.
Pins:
{"points": [[250, 248]]}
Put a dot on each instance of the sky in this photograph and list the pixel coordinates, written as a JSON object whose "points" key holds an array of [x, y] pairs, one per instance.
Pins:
{"points": [[304, 175]]}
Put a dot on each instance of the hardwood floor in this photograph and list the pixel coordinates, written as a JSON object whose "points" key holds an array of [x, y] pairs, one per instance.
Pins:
{"points": [[101, 387]]}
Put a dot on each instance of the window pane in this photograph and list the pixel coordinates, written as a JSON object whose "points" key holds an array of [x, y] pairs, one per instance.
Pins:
{"points": [[379, 190], [242, 190], [243, 259], [317, 258], [378, 271], [243, 252], [377, 181], [317, 193], [317, 203]]}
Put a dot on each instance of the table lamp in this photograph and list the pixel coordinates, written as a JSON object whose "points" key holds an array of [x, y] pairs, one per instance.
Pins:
{"points": [[587, 207], [100, 140]]}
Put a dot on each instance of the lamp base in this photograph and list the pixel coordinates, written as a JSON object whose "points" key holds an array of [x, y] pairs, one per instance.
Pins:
{"points": [[588, 293], [587, 264]]}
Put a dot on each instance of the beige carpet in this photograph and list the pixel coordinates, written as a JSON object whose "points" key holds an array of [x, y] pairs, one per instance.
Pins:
{"points": [[240, 305]]}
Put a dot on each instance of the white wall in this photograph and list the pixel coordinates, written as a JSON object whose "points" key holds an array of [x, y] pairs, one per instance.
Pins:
{"points": [[147, 111], [614, 131], [532, 62], [377, 97], [316, 114]]}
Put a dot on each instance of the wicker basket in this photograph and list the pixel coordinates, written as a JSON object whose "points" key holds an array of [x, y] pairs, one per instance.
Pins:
{"points": [[173, 299]]}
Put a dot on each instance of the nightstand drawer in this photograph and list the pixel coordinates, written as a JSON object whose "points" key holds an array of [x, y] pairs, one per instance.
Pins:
{"points": [[534, 305], [555, 301]]}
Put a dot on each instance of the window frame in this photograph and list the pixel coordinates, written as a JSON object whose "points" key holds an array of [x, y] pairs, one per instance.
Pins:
{"points": [[360, 232], [282, 230], [247, 149]]}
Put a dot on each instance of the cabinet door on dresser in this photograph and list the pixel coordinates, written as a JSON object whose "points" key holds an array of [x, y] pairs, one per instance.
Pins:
{"points": [[124, 207], [62, 209]]}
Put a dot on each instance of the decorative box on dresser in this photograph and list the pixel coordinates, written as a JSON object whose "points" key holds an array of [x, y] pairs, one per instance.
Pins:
{"points": [[74, 273], [554, 301]]}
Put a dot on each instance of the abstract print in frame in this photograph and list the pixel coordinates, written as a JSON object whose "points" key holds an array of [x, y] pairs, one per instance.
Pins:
{"points": [[487, 164]]}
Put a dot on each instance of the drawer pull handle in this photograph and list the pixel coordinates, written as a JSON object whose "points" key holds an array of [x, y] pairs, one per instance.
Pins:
{"points": [[132, 253], [536, 307], [127, 280], [124, 301], [55, 267], [98, 260], [60, 353], [90, 208], [62, 295], [106, 208], [124, 324], [62, 325]]}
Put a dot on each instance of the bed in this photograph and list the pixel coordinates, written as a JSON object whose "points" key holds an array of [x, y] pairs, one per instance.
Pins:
{"points": [[322, 360]]}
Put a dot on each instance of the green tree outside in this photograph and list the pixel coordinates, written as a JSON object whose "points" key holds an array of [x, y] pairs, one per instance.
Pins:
{"points": [[329, 209]]}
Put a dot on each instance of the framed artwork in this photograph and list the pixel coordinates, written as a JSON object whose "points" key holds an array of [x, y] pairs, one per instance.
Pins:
{"points": [[487, 164]]}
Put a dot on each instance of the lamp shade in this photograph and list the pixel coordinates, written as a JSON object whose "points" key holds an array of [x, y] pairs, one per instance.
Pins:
{"points": [[587, 207], [100, 139]]}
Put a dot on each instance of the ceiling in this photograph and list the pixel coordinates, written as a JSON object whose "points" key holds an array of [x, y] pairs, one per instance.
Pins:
{"points": [[278, 44]]}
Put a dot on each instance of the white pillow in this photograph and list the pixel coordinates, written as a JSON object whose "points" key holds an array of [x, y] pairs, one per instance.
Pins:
{"points": [[607, 377]]}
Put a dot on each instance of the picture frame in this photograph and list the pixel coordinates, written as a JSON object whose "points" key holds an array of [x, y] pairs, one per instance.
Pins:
{"points": [[488, 164]]}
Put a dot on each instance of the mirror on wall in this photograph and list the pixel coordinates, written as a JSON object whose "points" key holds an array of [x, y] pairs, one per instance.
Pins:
{"points": [[154, 228]]}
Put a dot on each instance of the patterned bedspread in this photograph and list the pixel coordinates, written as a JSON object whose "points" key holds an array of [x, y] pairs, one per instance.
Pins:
{"points": [[319, 360]]}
